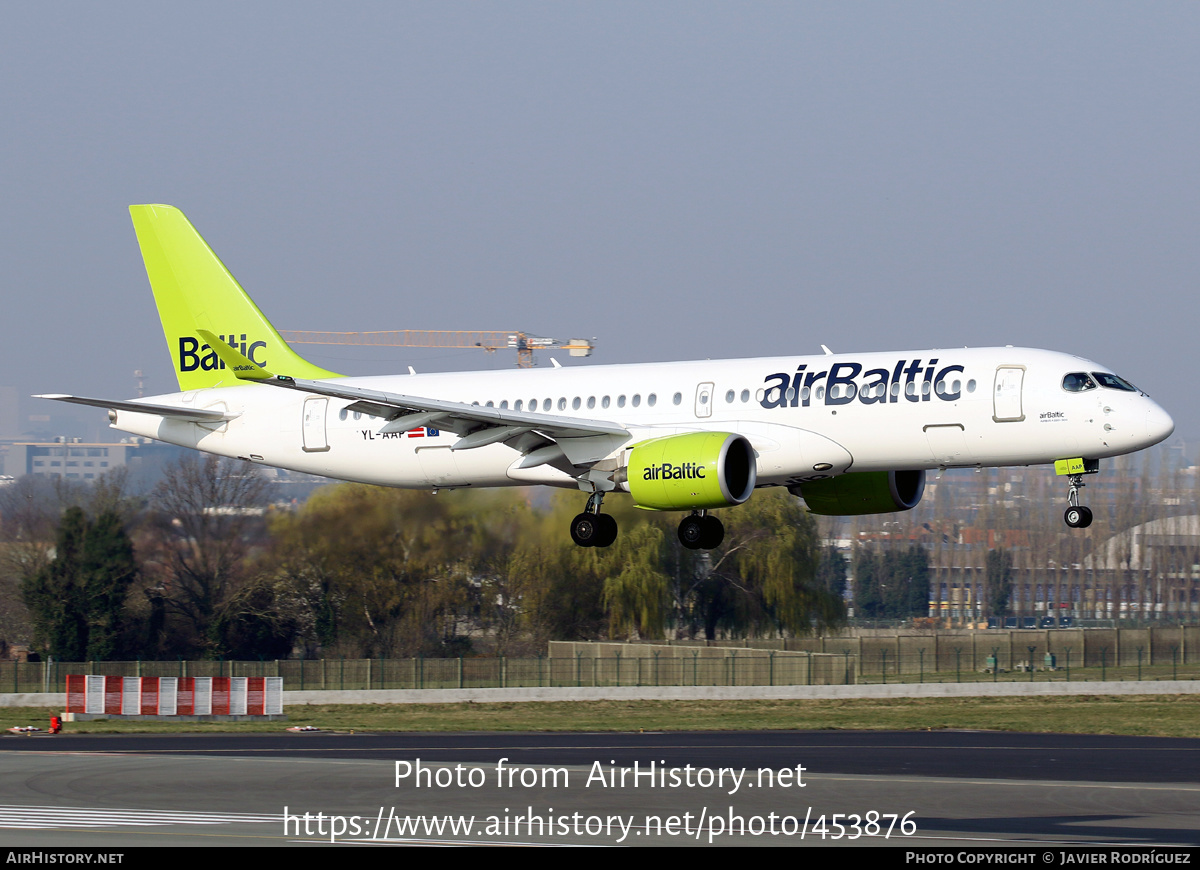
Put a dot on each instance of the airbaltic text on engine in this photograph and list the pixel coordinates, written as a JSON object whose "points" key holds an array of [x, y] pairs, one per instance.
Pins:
{"points": [[668, 471]]}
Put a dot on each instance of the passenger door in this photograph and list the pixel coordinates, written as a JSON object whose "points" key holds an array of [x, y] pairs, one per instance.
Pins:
{"points": [[1006, 395], [314, 438]]}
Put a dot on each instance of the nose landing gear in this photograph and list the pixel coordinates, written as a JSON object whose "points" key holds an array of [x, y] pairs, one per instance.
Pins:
{"points": [[1077, 516]]}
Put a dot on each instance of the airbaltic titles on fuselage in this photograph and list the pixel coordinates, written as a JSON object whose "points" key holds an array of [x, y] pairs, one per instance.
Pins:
{"points": [[914, 380]]}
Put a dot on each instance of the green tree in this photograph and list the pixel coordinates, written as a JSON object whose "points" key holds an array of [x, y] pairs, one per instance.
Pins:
{"points": [[376, 571], [907, 573], [764, 575], [31, 510], [868, 584], [110, 571], [77, 600], [893, 584], [635, 581], [391, 572], [998, 581], [832, 571], [560, 587]]}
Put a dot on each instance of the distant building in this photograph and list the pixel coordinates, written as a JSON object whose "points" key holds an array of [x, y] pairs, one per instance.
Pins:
{"points": [[76, 459], [86, 461], [1152, 570]]}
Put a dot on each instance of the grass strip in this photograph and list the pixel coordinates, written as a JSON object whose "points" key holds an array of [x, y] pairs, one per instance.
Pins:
{"points": [[1135, 715]]}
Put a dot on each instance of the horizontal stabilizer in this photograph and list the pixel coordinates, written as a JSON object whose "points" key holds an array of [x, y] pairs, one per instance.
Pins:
{"points": [[242, 366], [197, 415]]}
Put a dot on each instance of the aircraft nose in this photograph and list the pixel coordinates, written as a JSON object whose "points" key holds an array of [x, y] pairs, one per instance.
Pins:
{"points": [[1159, 424]]}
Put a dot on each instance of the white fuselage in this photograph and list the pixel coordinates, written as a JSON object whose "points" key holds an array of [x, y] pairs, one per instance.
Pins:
{"points": [[833, 413]]}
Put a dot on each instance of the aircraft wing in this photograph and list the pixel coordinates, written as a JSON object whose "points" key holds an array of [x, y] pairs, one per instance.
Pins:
{"points": [[540, 438], [402, 412], [197, 415]]}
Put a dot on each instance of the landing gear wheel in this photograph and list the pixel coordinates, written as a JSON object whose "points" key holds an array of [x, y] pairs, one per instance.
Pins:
{"points": [[1078, 517], [714, 533], [593, 530], [691, 532], [585, 529], [606, 532], [701, 532]]}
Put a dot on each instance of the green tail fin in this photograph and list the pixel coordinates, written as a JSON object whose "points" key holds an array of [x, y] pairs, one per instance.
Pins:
{"points": [[194, 291]]}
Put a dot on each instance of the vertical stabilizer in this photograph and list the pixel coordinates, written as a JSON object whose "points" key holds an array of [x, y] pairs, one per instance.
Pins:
{"points": [[194, 291]]}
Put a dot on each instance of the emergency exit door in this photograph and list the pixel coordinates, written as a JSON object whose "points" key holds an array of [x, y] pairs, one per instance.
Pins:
{"points": [[704, 400]]}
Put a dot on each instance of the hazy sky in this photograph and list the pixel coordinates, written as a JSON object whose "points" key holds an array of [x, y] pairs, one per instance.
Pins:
{"points": [[679, 180]]}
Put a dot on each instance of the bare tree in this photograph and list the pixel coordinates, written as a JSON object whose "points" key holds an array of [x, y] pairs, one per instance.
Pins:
{"points": [[208, 509]]}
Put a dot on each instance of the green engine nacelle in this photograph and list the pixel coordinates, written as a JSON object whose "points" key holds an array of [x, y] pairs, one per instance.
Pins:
{"points": [[868, 492], [695, 471]]}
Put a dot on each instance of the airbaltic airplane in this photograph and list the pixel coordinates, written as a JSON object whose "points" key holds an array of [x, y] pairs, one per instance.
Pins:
{"points": [[850, 434]]}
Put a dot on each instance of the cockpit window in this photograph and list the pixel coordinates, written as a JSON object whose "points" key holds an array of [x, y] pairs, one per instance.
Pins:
{"points": [[1078, 382], [1114, 383]]}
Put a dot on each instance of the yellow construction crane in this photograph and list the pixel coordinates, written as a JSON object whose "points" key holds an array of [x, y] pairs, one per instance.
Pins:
{"points": [[521, 342]]}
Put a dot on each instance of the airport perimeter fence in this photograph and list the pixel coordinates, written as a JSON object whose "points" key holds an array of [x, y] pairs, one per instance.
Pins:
{"points": [[1159, 653], [1031, 665], [770, 669], [464, 673], [959, 657], [1163, 653]]}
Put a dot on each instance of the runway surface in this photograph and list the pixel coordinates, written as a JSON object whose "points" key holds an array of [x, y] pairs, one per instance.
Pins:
{"points": [[775, 788]]}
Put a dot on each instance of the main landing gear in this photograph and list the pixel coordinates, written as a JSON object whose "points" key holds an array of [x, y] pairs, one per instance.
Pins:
{"points": [[700, 531], [592, 528], [1077, 516]]}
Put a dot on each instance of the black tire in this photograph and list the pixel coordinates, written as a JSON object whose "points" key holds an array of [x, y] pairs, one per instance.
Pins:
{"points": [[585, 529], [714, 533], [1078, 517], [691, 532], [606, 530]]}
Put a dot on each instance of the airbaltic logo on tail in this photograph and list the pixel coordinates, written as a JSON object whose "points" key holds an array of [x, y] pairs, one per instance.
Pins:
{"points": [[194, 355], [668, 471], [912, 380]]}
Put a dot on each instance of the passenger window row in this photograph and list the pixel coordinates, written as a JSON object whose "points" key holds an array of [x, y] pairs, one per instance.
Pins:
{"points": [[604, 402]]}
